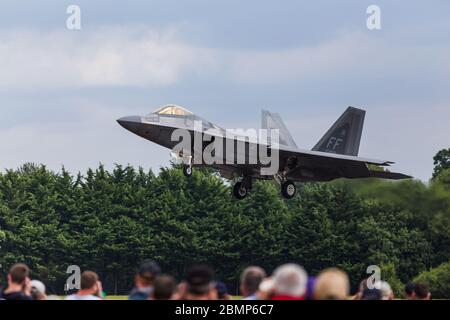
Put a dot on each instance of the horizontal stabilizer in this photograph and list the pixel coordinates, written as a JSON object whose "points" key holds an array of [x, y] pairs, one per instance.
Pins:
{"points": [[388, 175]]}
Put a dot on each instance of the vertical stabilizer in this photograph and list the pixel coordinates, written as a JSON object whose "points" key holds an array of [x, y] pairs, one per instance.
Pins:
{"points": [[273, 121], [345, 134]]}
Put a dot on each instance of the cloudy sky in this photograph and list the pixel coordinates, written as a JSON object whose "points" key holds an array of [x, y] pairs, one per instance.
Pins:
{"points": [[62, 90]]}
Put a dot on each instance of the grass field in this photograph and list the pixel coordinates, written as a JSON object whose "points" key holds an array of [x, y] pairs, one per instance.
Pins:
{"points": [[116, 297]]}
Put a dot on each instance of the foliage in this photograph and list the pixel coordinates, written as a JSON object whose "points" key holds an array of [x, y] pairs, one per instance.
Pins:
{"points": [[389, 274], [441, 162], [438, 279], [110, 220]]}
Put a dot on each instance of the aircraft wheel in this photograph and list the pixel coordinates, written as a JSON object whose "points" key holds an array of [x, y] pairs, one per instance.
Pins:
{"points": [[240, 191], [187, 170], [288, 189]]}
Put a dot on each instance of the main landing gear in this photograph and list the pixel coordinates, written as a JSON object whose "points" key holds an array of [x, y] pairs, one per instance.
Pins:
{"points": [[242, 188], [288, 188]]}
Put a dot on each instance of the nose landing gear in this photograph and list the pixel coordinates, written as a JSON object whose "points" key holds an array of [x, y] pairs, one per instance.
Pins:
{"points": [[242, 188]]}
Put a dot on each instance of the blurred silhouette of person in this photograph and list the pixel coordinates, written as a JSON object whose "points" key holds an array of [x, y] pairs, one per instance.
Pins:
{"points": [[198, 284], [310, 288], [332, 284], [90, 287], [38, 290], [361, 288], [222, 291], [143, 280], [371, 294], [19, 284], [164, 288], [251, 278], [289, 282], [386, 291], [422, 292], [409, 291]]}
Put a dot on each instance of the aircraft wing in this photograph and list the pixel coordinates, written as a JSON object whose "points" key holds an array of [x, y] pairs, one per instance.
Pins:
{"points": [[331, 165], [325, 157]]}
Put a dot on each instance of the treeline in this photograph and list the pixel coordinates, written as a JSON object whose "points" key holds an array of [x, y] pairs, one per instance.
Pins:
{"points": [[109, 221]]}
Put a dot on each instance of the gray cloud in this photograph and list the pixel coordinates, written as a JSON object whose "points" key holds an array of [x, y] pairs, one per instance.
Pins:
{"points": [[402, 84]]}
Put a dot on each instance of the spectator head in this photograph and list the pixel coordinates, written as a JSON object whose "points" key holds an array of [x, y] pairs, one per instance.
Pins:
{"points": [[89, 281], [251, 278], [409, 290], [18, 274], [164, 287], [290, 281], [371, 294], [385, 289], [38, 290], [147, 273], [421, 291], [199, 282], [332, 284]]}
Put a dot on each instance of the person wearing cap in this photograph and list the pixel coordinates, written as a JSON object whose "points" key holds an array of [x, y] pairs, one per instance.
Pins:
{"points": [[19, 284], [144, 280], [198, 284], [38, 290]]}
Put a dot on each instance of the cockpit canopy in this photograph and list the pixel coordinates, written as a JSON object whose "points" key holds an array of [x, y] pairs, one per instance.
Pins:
{"points": [[172, 109], [174, 115]]}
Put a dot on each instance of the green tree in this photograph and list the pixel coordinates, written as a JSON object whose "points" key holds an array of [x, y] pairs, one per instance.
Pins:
{"points": [[441, 162], [438, 280]]}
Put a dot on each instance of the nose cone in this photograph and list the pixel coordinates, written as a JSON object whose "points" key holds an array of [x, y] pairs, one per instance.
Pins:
{"points": [[130, 122]]}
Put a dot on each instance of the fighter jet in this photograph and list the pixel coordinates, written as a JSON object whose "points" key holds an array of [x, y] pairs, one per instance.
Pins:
{"points": [[334, 156]]}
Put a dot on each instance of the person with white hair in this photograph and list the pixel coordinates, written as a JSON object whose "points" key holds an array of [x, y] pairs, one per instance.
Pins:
{"points": [[289, 282], [38, 290], [386, 290]]}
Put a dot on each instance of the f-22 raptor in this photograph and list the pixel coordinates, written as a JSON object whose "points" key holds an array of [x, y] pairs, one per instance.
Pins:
{"points": [[334, 156]]}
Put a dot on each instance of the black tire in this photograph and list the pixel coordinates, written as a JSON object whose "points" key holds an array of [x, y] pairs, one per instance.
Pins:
{"points": [[187, 170], [288, 189], [240, 191]]}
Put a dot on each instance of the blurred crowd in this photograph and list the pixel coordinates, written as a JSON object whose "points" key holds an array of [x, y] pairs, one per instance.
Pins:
{"points": [[287, 282]]}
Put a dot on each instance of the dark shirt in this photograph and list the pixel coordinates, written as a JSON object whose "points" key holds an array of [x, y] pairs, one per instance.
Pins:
{"points": [[13, 295], [140, 294]]}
